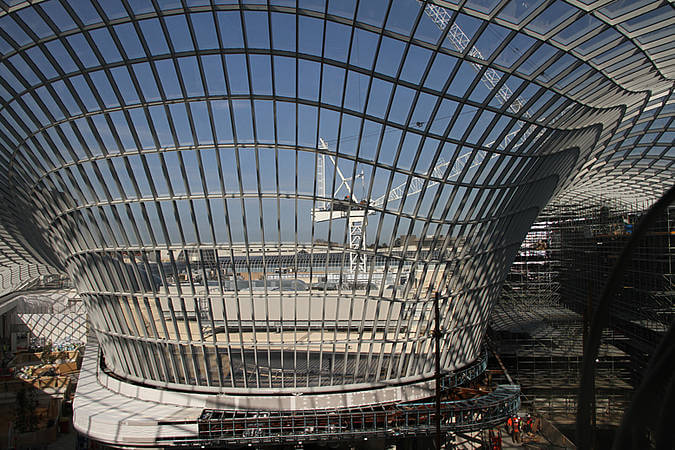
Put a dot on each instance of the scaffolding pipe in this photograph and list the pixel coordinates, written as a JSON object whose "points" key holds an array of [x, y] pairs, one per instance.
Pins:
{"points": [[600, 319]]}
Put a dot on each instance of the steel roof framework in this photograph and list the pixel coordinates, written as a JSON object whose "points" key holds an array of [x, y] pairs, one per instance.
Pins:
{"points": [[135, 135]]}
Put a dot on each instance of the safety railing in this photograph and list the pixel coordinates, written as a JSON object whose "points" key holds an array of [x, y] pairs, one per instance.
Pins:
{"points": [[223, 428]]}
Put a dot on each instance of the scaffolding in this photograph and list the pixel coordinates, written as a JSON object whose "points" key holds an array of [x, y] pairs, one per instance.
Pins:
{"points": [[539, 326]]}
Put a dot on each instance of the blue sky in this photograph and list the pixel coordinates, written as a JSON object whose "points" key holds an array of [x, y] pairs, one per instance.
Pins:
{"points": [[257, 105]]}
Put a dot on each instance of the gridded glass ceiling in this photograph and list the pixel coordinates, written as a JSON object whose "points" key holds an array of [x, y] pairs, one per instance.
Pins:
{"points": [[267, 193]]}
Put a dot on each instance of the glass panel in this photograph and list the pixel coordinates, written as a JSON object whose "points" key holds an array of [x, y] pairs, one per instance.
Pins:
{"points": [[237, 73], [113, 9], [551, 17], [66, 97], [517, 10], [661, 14], [577, 29], [86, 12], [257, 35], [283, 31], [402, 16], [154, 36], [58, 15], [308, 79], [124, 85], [168, 78], [83, 50], [364, 44], [213, 72], [24, 69], [61, 56], [604, 38], [104, 89], [146, 80], [105, 44], [84, 92], [34, 22], [516, 48], [373, 12], [261, 74], [205, 32], [389, 58], [14, 31], [230, 28], [332, 85], [40, 60], [415, 64], [180, 33], [191, 76], [310, 35]]}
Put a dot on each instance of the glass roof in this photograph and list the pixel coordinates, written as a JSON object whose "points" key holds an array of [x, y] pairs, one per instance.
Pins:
{"points": [[403, 146]]}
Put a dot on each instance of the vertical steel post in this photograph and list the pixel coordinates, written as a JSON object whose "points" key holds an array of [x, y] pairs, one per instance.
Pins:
{"points": [[437, 338]]}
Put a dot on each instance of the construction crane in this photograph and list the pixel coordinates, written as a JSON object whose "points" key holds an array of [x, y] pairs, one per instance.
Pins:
{"points": [[354, 210], [351, 208], [441, 17], [490, 78]]}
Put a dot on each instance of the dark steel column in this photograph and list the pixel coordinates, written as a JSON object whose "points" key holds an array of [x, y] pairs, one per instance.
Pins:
{"points": [[437, 338]]}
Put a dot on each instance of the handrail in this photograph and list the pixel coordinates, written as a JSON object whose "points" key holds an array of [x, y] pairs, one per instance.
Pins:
{"points": [[387, 420]]}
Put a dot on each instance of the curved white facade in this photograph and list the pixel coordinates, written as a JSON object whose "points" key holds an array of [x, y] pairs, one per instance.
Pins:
{"points": [[263, 198]]}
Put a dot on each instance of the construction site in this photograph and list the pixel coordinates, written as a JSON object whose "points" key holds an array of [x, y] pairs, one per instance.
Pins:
{"points": [[540, 324], [355, 224]]}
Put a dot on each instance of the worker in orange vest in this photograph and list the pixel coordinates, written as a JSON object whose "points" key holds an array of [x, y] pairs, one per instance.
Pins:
{"points": [[527, 427], [516, 429]]}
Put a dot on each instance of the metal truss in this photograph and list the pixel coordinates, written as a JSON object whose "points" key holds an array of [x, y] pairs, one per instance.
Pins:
{"points": [[384, 421]]}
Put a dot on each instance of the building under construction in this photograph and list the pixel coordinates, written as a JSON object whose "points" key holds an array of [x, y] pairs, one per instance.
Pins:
{"points": [[542, 320], [299, 222]]}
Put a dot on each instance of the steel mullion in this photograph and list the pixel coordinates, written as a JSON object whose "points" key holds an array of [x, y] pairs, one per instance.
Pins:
{"points": [[179, 223], [419, 201], [245, 225], [193, 218], [226, 328], [108, 315], [278, 204], [162, 359], [391, 177], [332, 190], [382, 215], [403, 361], [227, 216], [432, 206], [295, 230], [130, 320], [315, 193], [208, 208], [260, 212], [170, 300], [364, 244], [119, 98], [167, 335]]}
